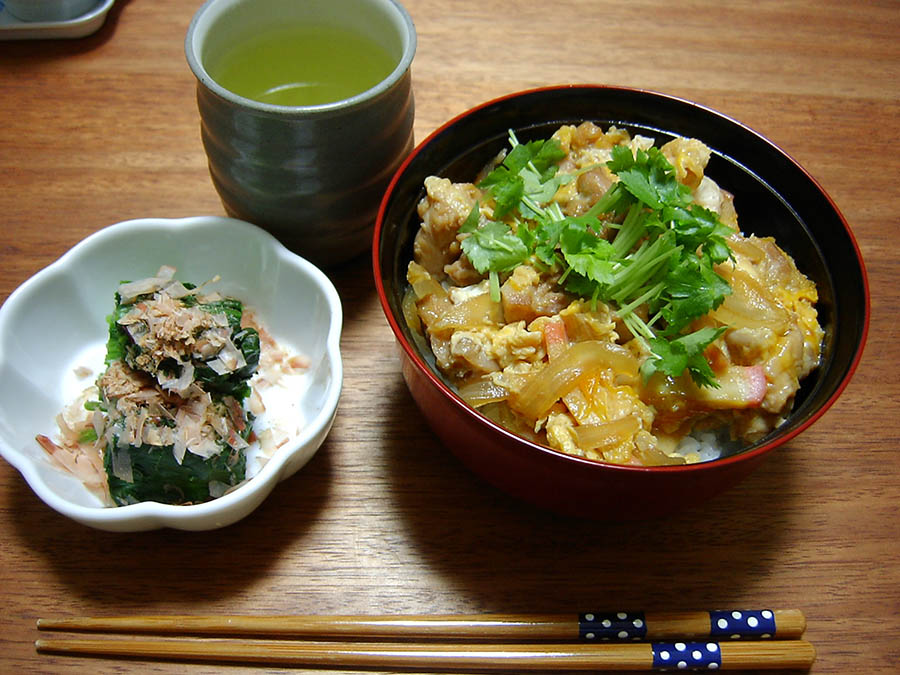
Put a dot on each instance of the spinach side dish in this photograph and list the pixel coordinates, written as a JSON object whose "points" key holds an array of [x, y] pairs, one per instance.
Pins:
{"points": [[170, 419]]}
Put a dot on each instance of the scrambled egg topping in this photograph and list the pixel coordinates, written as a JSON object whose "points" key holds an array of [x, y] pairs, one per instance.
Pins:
{"points": [[515, 360]]}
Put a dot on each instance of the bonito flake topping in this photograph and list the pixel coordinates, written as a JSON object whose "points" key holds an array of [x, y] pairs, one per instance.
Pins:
{"points": [[171, 417]]}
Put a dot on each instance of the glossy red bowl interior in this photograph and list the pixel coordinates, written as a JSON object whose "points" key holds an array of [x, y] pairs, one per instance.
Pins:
{"points": [[773, 195]]}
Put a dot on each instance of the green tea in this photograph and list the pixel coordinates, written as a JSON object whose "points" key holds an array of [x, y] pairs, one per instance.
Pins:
{"points": [[302, 65]]}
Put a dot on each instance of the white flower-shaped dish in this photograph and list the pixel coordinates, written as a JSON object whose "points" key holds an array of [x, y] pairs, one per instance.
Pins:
{"points": [[56, 322]]}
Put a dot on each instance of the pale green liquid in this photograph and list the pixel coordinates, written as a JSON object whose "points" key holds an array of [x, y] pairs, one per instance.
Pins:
{"points": [[303, 65]]}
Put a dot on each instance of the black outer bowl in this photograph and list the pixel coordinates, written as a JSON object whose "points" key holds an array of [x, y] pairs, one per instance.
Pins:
{"points": [[774, 196]]}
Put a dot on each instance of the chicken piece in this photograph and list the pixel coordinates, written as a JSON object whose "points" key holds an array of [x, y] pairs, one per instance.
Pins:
{"points": [[443, 210], [783, 371], [526, 296], [589, 148], [796, 292], [689, 157], [461, 272], [584, 323], [748, 345], [787, 343], [487, 349]]}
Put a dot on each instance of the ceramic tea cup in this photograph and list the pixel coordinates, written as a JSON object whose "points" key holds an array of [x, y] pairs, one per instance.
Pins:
{"points": [[298, 140]]}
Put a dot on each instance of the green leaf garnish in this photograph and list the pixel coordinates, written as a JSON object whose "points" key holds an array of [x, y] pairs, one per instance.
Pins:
{"points": [[672, 357], [528, 170], [662, 254], [493, 248], [87, 435]]}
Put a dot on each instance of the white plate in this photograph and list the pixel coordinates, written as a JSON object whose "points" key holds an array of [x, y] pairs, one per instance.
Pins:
{"points": [[56, 322], [12, 28]]}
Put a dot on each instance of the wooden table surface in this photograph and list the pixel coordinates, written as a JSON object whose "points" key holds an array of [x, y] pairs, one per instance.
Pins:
{"points": [[384, 520]]}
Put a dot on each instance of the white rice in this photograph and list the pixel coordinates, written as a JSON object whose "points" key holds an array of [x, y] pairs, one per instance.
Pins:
{"points": [[704, 446]]}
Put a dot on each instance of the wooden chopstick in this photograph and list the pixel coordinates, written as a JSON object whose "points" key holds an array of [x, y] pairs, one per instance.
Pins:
{"points": [[735, 640], [738, 655], [587, 627]]}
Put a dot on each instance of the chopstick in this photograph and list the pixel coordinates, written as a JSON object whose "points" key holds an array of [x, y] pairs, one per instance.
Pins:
{"points": [[587, 626], [728, 640], [773, 654]]}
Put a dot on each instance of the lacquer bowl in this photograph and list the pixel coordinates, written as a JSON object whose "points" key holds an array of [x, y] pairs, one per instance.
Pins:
{"points": [[774, 196]]}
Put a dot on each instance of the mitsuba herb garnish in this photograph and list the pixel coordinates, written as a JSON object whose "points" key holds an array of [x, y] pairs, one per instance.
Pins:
{"points": [[644, 242]]}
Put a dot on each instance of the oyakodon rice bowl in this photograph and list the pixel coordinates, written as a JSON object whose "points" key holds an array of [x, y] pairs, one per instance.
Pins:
{"points": [[584, 282], [593, 292]]}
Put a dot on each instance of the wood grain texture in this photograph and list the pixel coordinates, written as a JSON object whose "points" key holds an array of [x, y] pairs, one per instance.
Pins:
{"points": [[384, 520]]}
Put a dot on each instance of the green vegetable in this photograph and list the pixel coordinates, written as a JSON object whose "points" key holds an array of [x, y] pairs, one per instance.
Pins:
{"points": [[87, 436], [149, 472], [686, 351], [492, 248], [157, 476], [117, 340], [234, 383], [644, 243], [120, 346], [528, 170]]}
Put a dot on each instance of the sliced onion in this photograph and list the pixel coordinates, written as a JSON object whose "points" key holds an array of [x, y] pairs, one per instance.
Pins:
{"points": [[483, 391], [746, 248], [609, 434], [750, 305], [432, 308], [423, 284], [121, 464], [479, 310], [410, 312], [563, 373]]}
